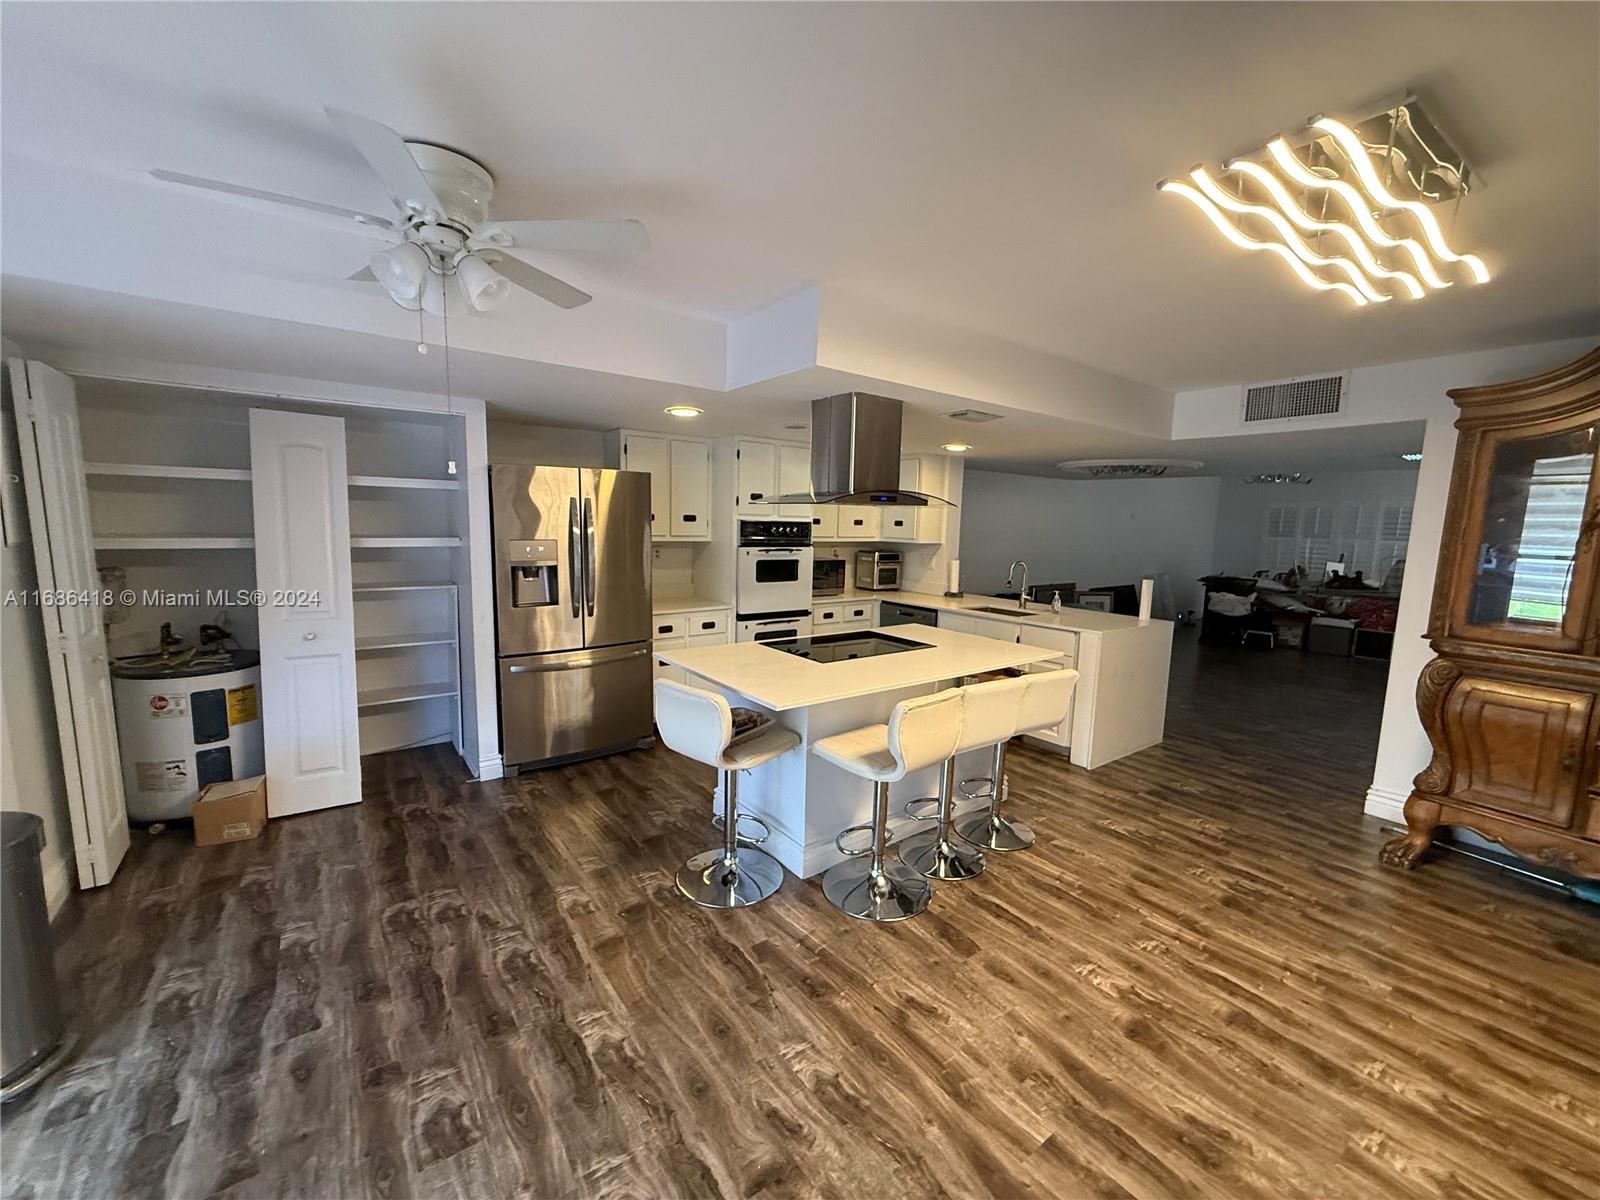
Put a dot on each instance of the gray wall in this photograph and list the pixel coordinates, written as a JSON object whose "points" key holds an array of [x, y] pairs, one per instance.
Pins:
{"points": [[544, 445], [1089, 532]]}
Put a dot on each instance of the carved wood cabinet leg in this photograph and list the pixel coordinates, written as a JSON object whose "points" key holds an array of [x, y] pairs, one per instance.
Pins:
{"points": [[1422, 818]]}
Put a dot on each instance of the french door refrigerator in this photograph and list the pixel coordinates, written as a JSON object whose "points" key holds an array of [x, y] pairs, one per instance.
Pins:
{"points": [[572, 611]]}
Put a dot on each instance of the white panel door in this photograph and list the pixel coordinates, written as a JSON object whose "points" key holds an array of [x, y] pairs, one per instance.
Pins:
{"points": [[650, 454], [691, 490], [794, 475], [860, 522], [757, 478], [63, 549], [307, 626]]}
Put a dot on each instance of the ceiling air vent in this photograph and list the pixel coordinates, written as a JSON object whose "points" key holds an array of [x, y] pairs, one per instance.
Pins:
{"points": [[1290, 399], [972, 416]]}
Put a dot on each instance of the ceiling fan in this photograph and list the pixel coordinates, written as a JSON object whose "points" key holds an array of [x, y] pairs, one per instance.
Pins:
{"points": [[441, 228]]}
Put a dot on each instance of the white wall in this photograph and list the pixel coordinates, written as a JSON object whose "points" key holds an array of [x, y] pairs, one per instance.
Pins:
{"points": [[1089, 532], [545, 445], [30, 754], [1242, 508]]}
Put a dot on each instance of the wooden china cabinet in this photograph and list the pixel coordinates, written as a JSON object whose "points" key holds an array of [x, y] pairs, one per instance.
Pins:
{"points": [[1511, 703]]}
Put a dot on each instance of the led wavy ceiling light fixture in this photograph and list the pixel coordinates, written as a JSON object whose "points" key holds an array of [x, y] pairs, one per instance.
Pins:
{"points": [[1300, 173], [1310, 224], [1226, 228], [1389, 166], [1293, 240], [1345, 138]]}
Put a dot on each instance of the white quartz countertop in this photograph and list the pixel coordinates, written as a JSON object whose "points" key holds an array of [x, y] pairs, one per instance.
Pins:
{"points": [[1079, 620], [667, 605], [781, 681]]}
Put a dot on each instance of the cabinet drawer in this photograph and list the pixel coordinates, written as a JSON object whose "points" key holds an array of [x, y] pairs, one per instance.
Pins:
{"points": [[1517, 747], [851, 626], [669, 626], [863, 612], [696, 640], [827, 614], [713, 620]]}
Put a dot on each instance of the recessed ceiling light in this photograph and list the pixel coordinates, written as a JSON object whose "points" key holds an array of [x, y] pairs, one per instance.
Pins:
{"points": [[956, 447], [682, 410], [1414, 456]]}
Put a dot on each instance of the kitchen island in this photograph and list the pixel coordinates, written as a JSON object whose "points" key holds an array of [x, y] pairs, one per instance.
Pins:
{"points": [[805, 800]]}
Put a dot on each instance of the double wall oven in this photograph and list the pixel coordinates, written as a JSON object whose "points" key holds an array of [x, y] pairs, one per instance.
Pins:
{"points": [[772, 584]]}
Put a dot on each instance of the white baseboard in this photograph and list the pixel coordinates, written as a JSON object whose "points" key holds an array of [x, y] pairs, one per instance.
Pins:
{"points": [[493, 767], [1386, 805], [58, 880]]}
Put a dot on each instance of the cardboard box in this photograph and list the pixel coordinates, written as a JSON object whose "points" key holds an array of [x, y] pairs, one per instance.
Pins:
{"points": [[235, 811]]}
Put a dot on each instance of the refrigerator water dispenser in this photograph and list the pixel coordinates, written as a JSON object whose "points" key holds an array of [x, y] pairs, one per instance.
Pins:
{"points": [[534, 578]]}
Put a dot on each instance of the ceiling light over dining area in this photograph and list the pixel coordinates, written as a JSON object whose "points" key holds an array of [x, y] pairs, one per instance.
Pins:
{"points": [[1350, 207]]}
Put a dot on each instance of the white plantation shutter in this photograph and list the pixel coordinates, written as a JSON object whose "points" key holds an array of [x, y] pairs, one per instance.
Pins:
{"points": [[1394, 531], [1551, 524], [1316, 542]]}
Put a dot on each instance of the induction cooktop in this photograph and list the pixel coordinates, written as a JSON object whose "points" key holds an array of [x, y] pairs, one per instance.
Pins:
{"points": [[842, 647]]}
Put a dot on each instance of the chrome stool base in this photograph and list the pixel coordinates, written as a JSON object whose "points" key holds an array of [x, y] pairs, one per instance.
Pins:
{"points": [[935, 856], [994, 832], [894, 893], [710, 881]]}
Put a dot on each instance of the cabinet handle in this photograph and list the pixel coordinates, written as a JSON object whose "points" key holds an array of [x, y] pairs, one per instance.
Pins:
{"points": [[708, 624], [689, 518], [857, 521], [757, 495], [309, 637], [663, 628], [860, 612]]}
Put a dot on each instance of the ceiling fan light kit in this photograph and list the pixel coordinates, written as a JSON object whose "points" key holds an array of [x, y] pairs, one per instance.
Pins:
{"points": [[442, 227], [1350, 208]]}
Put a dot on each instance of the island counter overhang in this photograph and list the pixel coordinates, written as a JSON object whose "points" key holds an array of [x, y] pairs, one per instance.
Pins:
{"points": [[804, 799]]}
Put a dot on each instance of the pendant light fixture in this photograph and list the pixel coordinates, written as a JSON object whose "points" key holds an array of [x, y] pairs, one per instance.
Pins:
{"points": [[1350, 207]]}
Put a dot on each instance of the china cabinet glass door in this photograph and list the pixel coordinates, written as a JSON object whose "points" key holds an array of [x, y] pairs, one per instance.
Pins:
{"points": [[1532, 566]]}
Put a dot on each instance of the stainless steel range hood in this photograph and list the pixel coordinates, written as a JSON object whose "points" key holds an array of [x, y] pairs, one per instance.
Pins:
{"points": [[855, 454]]}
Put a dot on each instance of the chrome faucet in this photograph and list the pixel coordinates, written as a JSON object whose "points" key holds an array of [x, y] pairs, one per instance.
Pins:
{"points": [[1022, 594]]}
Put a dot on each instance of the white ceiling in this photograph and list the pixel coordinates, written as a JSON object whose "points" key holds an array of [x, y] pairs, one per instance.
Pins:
{"points": [[983, 167]]}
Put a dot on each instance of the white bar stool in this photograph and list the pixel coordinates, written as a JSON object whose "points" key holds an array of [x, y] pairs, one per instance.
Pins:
{"points": [[1043, 705], [989, 713], [920, 732], [699, 724]]}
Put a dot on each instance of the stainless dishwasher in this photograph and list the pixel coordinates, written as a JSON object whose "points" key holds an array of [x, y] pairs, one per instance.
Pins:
{"points": [[892, 613]]}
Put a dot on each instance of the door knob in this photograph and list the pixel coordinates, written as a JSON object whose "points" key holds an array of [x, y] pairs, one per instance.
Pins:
{"points": [[310, 637]]}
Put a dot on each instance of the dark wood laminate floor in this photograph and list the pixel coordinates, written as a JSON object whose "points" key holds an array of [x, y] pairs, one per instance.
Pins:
{"points": [[1200, 984]]}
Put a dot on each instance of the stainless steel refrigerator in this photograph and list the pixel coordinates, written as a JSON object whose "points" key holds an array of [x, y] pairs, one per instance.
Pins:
{"points": [[572, 610]]}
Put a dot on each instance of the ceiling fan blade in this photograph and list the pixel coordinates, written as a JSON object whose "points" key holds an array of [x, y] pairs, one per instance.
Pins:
{"points": [[386, 153], [364, 275], [614, 237], [541, 284], [331, 215]]}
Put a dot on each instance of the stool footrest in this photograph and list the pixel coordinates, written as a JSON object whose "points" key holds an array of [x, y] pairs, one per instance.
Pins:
{"points": [[911, 807], [977, 789], [719, 822], [838, 841]]}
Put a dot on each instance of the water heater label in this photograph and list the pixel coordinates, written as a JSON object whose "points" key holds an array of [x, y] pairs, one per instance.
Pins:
{"points": [[169, 775], [242, 705], [162, 707]]}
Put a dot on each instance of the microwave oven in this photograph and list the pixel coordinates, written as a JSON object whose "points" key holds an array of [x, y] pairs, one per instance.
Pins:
{"points": [[827, 577], [878, 570]]}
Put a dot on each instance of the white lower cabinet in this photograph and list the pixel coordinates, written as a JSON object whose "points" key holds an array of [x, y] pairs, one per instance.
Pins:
{"points": [[989, 627], [687, 631], [1066, 642]]}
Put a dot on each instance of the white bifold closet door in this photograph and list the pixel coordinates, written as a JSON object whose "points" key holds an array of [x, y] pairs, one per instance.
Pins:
{"points": [[307, 622], [80, 677]]}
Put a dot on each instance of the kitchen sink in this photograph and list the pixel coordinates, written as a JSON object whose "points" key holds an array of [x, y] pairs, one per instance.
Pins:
{"points": [[1009, 611]]}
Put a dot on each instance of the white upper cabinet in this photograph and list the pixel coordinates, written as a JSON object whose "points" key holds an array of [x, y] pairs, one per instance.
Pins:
{"points": [[652, 455], [860, 522], [794, 476], [680, 481], [690, 491], [824, 522], [756, 480], [901, 523]]}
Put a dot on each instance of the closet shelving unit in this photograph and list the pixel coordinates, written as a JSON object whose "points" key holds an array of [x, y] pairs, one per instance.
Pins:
{"points": [[405, 537], [170, 503]]}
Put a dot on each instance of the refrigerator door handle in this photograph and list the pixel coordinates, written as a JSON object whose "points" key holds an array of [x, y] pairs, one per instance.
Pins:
{"points": [[579, 664], [588, 557], [575, 555]]}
